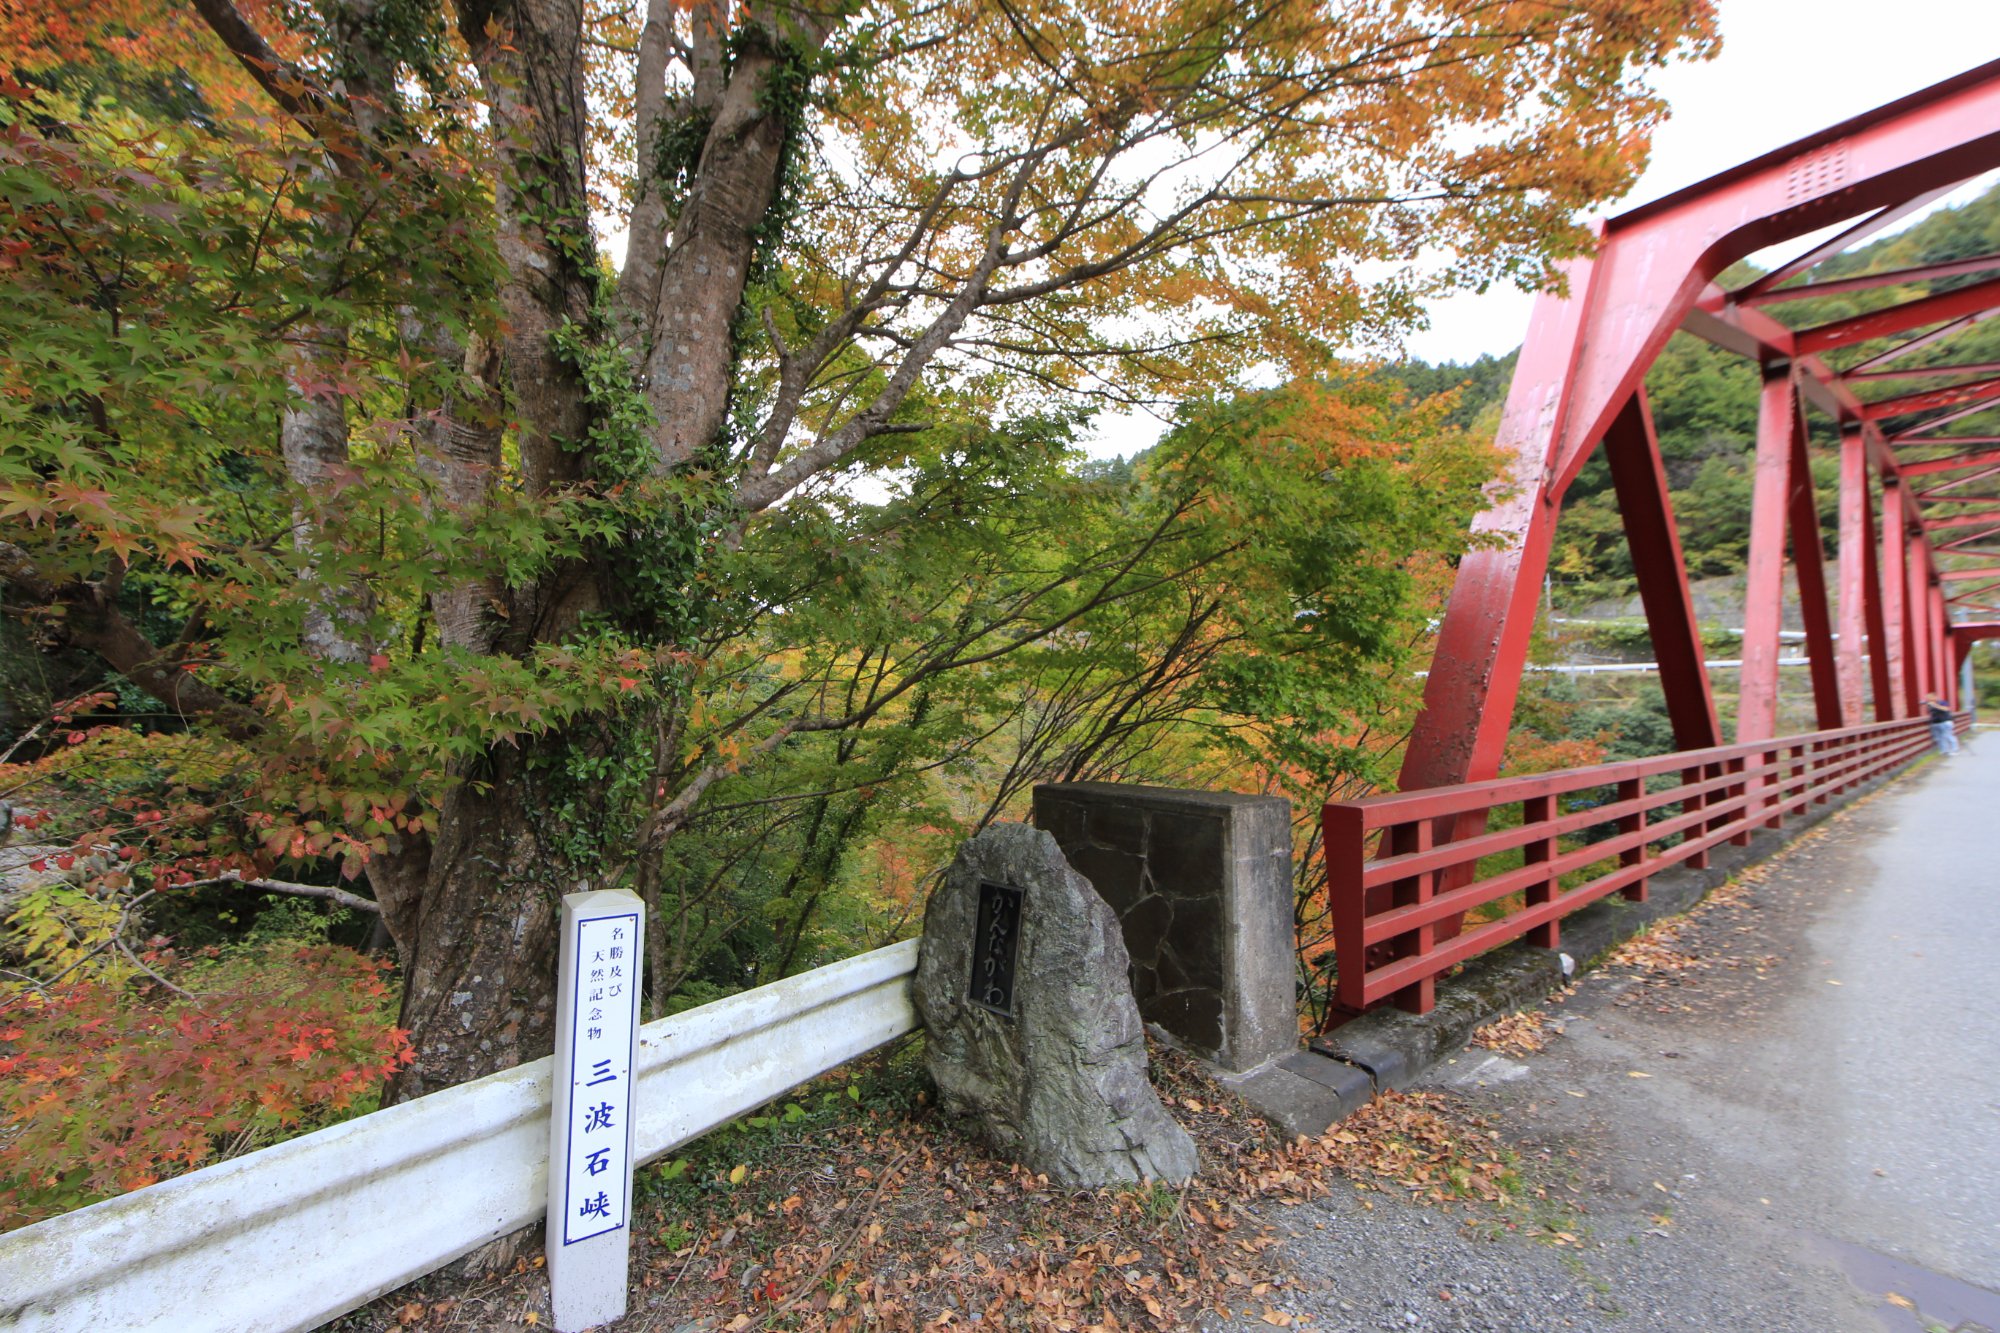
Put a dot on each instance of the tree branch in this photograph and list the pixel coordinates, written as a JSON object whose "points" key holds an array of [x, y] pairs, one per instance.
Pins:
{"points": [[352, 901], [287, 85], [92, 622]]}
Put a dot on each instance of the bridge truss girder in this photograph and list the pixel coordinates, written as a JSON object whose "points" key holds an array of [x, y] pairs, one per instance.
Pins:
{"points": [[1579, 386]]}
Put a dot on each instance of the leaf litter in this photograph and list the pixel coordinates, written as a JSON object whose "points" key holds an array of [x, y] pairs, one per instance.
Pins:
{"points": [[893, 1220], [1518, 1033], [890, 1218]]}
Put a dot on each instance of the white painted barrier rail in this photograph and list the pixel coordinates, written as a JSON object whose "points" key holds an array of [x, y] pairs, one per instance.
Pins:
{"points": [[289, 1237]]}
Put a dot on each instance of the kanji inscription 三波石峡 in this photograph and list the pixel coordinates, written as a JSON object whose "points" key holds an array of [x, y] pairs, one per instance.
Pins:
{"points": [[598, 1171]]}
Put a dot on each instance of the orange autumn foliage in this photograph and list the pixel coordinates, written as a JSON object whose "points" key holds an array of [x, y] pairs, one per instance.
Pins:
{"points": [[101, 1093]]}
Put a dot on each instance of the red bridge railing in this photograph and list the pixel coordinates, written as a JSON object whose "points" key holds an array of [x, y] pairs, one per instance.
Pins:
{"points": [[1422, 881]]}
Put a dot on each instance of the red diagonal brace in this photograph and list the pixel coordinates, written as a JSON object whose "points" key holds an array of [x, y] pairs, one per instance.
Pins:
{"points": [[1925, 400], [1925, 372], [1639, 479], [1937, 492], [1921, 341], [1912, 435], [1809, 566], [1949, 521], [1951, 305], [1865, 281], [1973, 594], [1837, 244]]}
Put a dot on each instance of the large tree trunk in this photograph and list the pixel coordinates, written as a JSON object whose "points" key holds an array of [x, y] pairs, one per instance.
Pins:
{"points": [[697, 288], [481, 946], [479, 953], [313, 434], [479, 972]]}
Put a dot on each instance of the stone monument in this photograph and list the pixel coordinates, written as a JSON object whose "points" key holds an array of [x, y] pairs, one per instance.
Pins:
{"points": [[1031, 1030]]}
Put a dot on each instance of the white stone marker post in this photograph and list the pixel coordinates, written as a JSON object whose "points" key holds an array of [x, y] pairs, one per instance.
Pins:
{"points": [[591, 1110]]}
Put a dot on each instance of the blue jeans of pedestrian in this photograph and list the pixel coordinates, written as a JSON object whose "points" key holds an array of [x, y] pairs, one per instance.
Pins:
{"points": [[1944, 737]]}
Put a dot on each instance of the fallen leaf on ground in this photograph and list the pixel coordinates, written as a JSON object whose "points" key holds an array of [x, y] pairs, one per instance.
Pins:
{"points": [[1517, 1034]]}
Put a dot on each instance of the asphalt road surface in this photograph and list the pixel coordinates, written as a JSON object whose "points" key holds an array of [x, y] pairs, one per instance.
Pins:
{"points": [[1812, 1138]]}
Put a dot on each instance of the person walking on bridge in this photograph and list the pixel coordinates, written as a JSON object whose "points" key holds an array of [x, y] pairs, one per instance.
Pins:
{"points": [[1942, 730]]}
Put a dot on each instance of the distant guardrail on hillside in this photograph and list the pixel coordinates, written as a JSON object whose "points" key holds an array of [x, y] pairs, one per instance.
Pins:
{"points": [[300, 1232]]}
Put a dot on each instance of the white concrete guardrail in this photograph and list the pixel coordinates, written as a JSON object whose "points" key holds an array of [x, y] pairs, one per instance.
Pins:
{"points": [[291, 1236]]}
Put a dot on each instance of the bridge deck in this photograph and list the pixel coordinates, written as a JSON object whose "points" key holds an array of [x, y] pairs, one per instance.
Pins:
{"points": [[1902, 1059], [1793, 1151]]}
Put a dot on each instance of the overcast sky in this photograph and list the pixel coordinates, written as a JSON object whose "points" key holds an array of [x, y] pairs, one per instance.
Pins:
{"points": [[1787, 68]]}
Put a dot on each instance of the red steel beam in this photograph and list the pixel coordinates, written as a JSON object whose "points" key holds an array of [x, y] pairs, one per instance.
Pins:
{"points": [[1968, 632], [1921, 341], [1907, 434], [1956, 462], [1925, 372], [1882, 684], [1973, 595], [1933, 606], [1639, 480], [1866, 281], [1854, 537], [1895, 591], [1586, 353], [1754, 334], [1950, 521], [1969, 545], [1981, 572], [1917, 627], [1809, 568], [1938, 492], [1763, 597], [1941, 663], [1973, 299], [1837, 244], [1926, 399], [1482, 645], [1966, 509]]}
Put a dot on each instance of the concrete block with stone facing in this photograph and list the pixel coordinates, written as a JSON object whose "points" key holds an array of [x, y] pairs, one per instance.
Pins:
{"points": [[1202, 885]]}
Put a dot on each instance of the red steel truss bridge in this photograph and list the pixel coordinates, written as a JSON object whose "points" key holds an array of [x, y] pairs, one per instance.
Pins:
{"points": [[1917, 573]]}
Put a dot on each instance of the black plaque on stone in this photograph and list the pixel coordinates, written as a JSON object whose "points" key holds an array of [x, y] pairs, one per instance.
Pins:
{"points": [[994, 945]]}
